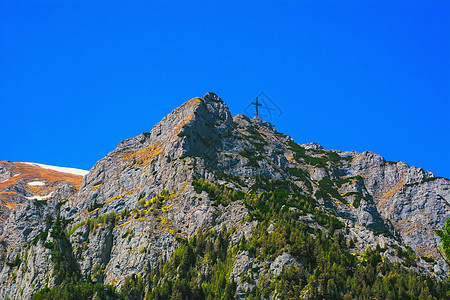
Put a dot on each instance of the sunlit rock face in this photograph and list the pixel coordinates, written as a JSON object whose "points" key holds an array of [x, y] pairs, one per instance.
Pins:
{"points": [[132, 208]]}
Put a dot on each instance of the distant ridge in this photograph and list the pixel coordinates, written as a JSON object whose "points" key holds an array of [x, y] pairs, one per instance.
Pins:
{"points": [[59, 169]]}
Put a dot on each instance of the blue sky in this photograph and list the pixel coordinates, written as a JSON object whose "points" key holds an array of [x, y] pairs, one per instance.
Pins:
{"points": [[77, 77]]}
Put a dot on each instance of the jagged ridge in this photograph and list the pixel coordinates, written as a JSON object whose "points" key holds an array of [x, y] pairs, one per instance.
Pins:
{"points": [[139, 202]]}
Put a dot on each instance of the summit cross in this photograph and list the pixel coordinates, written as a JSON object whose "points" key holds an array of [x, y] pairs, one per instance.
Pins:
{"points": [[256, 104]]}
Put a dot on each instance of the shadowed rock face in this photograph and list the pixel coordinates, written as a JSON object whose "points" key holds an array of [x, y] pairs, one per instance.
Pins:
{"points": [[134, 203]]}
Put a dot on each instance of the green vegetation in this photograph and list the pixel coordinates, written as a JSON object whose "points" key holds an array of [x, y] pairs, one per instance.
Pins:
{"points": [[40, 237], [252, 156], [94, 206], [66, 271], [428, 259], [125, 213], [15, 262], [38, 202], [327, 190], [133, 287], [179, 278], [254, 137], [357, 201], [388, 162], [334, 157], [341, 182], [321, 160], [280, 134], [229, 178], [77, 291], [300, 154], [127, 233], [200, 267], [444, 234], [298, 150], [429, 179], [49, 219], [218, 194], [49, 245], [93, 223], [257, 141], [301, 175], [155, 204]]}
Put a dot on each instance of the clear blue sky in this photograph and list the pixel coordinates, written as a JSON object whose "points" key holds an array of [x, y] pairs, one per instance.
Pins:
{"points": [[77, 77]]}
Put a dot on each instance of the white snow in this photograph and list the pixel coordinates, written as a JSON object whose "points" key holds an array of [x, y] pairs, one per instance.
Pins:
{"points": [[36, 183], [40, 197], [59, 169], [10, 178]]}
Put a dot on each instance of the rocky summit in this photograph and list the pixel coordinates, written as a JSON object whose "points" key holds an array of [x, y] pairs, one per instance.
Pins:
{"points": [[211, 206]]}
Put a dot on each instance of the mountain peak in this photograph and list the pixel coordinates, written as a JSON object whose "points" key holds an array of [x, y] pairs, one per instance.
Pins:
{"points": [[233, 185], [212, 97]]}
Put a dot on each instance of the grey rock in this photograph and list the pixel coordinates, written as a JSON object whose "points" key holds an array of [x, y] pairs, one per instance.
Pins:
{"points": [[5, 171], [283, 260], [241, 265], [312, 146], [381, 203]]}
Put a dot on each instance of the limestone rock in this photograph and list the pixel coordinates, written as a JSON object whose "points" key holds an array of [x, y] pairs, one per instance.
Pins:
{"points": [[133, 207], [283, 260]]}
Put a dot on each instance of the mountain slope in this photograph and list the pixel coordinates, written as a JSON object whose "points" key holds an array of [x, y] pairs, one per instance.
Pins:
{"points": [[210, 204], [21, 182]]}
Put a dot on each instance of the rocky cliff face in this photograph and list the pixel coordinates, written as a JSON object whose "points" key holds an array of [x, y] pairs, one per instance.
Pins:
{"points": [[137, 203], [30, 199], [22, 183]]}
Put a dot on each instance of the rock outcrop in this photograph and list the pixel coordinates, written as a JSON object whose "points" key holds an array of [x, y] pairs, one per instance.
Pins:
{"points": [[137, 203]]}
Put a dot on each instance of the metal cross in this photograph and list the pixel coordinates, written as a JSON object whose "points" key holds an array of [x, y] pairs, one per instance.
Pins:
{"points": [[256, 105]]}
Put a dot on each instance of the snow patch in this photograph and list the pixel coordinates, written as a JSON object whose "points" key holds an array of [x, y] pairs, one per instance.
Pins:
{"points": [[59, 169], [10, 178], [40, 197], [36, 183]]}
